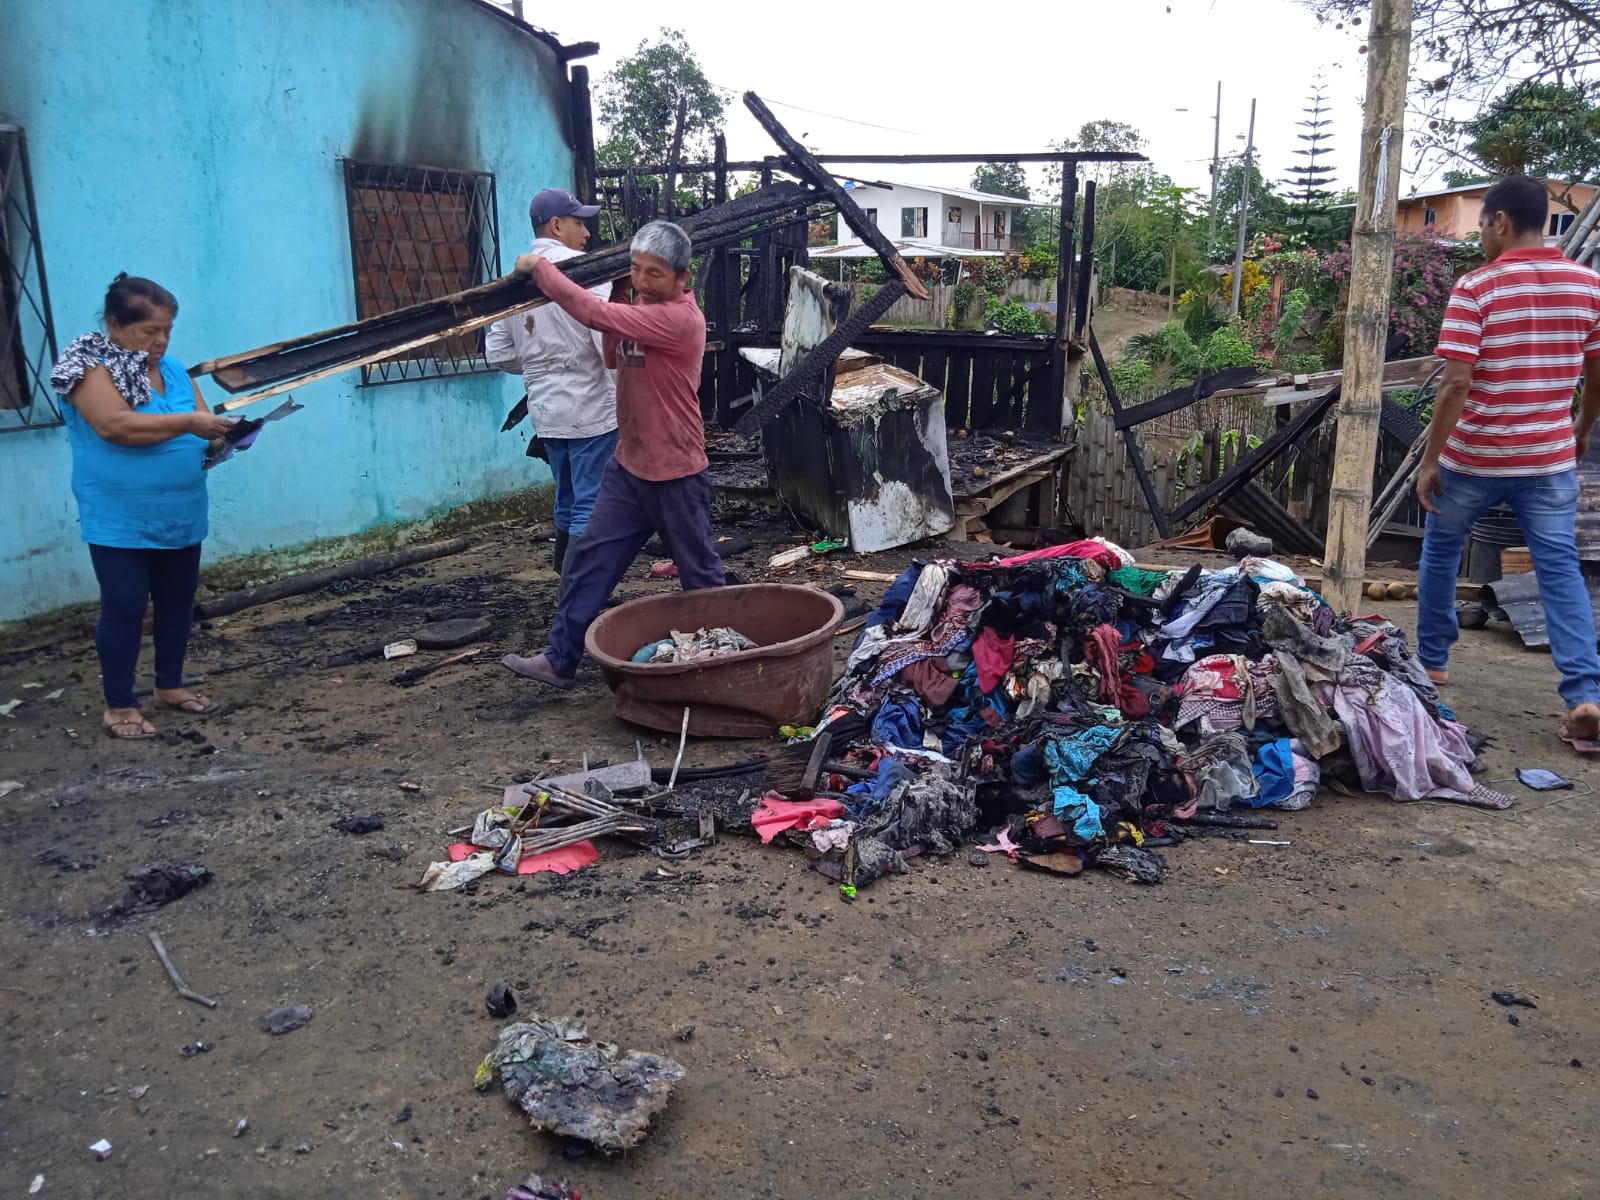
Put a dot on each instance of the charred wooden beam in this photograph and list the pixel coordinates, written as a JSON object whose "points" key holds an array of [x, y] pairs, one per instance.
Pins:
{"points": [[1130, 440], [1181, 398], [675, 159], [317, 355], [1080, 316], [812, 171], [805, 373], [1042, 156], [1248, 467]]}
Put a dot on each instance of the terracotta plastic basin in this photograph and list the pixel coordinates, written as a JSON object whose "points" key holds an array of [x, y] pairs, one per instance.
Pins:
{"points": [[782, 681]]}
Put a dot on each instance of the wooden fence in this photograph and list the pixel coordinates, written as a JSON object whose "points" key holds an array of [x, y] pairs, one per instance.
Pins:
{"points": [[1104, 496], [990, 382], [1188, 449]]}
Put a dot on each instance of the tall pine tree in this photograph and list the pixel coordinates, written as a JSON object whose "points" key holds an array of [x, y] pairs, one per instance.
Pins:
{"points": [[1309, 182]]}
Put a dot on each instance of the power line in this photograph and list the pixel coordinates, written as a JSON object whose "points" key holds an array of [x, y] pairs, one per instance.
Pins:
{"points": [[817, 113]]}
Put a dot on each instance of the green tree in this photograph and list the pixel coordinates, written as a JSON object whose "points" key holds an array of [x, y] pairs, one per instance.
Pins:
{"points": [[1482, 47], [1268, 211], [1309, 181], [1547, 130], [1009, 179], [639, 104], [1003, 179], [1173, 207]]}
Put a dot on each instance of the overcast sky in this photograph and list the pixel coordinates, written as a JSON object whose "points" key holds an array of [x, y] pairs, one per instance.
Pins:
{"points": [[898, 78]]}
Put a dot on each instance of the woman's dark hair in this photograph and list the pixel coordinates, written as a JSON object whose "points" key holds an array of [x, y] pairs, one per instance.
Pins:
{"points": [[1525, 202], [131, 298]]}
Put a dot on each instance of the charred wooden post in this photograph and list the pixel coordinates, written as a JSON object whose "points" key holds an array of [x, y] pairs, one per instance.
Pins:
{"points": [[1130, 440], [1085, 265], [1066, 249], [817, 361], [583, 152], [805, 165], [674, 160]]}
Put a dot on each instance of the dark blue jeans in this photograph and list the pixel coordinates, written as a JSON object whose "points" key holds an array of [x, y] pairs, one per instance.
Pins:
{"points": [[578, 465], [627, 512], [1547, 509], [129, 579]]}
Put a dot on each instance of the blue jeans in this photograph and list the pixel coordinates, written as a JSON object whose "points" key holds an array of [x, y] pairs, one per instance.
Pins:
{"points": [[129, 580], [578, 464], [1547, 508]]}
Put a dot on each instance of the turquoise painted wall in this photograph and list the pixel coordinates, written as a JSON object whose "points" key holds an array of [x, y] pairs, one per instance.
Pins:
{"points": [[198, 142]]}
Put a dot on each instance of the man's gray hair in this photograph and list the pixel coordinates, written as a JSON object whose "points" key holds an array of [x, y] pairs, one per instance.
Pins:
{"points": [[667, 242]]}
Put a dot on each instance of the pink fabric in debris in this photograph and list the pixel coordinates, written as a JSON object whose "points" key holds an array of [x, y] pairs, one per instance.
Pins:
{"points": [[562, 862], [776, 814], [1088, 548]]}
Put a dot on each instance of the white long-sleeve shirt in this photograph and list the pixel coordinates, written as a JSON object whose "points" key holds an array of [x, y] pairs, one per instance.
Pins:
{"points": [[570, 392]]}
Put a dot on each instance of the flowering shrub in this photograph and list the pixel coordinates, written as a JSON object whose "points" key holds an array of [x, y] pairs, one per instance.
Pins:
{"points": [[1424, 272], [1299, 268], [1253, 278]]}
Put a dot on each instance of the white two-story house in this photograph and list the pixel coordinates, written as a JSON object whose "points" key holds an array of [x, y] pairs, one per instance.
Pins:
{"points": [[934, 216]]}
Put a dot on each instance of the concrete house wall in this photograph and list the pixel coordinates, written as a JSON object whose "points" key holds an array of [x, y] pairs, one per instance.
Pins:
{"points": [[202, 144]]}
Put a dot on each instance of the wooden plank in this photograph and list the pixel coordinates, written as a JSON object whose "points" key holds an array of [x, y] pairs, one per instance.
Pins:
{"points": [[957, 397], [982, 392]]}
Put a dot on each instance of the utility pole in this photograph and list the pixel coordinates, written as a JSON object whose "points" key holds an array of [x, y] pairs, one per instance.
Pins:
{"points": [[1216, 170], [1244, 209], [1367, 317]]}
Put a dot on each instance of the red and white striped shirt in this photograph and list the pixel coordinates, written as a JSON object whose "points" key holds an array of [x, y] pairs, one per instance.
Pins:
{"points": [[1525, 322]]}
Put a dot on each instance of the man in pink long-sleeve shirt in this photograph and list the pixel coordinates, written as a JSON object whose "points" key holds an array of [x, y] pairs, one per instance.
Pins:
{"points": [[659, 481]]}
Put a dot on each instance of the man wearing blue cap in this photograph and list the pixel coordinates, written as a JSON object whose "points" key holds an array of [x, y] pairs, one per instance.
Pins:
{"points": [[572, 397]]}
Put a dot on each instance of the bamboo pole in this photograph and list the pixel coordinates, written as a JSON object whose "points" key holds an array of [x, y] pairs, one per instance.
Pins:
{"points": [[1367, 318]]}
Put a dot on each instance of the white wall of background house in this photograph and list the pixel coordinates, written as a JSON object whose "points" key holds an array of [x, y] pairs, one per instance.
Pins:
{"points": [[947, 218]]}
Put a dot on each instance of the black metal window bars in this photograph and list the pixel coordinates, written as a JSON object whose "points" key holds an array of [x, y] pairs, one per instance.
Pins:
{"points": [[417, 233], [27, 334]]}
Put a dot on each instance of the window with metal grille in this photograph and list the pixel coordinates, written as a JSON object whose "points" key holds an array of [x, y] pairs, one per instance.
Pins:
{"points": [[27, 335], [417, 233]]}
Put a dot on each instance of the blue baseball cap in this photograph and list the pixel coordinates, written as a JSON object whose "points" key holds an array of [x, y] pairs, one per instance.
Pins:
{"points": [[558, 202]]}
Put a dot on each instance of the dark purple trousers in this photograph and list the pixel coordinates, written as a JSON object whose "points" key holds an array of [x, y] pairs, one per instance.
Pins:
{"points": [[627, 511]]}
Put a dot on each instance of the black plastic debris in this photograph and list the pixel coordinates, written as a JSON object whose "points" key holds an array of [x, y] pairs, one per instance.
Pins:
{"points": [[151, 887], [190, 1049], [1510, 998], [571, 1085], [500, 1001], [286, 1019], [358, 825]]}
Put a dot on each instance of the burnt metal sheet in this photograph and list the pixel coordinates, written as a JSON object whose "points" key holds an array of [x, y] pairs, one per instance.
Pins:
{"points": [[1515, 598], [872, 464], [1260, 510]]}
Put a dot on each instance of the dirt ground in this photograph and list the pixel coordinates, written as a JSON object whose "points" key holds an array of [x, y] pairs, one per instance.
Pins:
{"points": [[1304, 1020]]}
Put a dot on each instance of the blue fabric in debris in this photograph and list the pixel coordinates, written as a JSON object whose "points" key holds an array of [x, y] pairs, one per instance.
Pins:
{"points": [[647, 651], [871, 794], [899, 723], [1274, 770], [1071, 574], [894, 599], [1444, 711], [1027, 764], [1072, 758], [1083, 813], [972, 718]]}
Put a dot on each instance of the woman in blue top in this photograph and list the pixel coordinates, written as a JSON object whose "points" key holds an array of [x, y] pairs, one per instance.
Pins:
{"points": [[139, 432]]}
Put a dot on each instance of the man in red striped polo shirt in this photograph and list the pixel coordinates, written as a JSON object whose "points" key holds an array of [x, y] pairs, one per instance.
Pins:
{"points": [[1517, 336]]}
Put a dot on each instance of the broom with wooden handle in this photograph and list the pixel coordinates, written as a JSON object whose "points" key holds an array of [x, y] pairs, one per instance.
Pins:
{"points": [[797, 769]]}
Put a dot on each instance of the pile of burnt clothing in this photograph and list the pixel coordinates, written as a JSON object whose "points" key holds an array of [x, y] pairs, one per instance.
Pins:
{"points": [[1101, 705]]}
